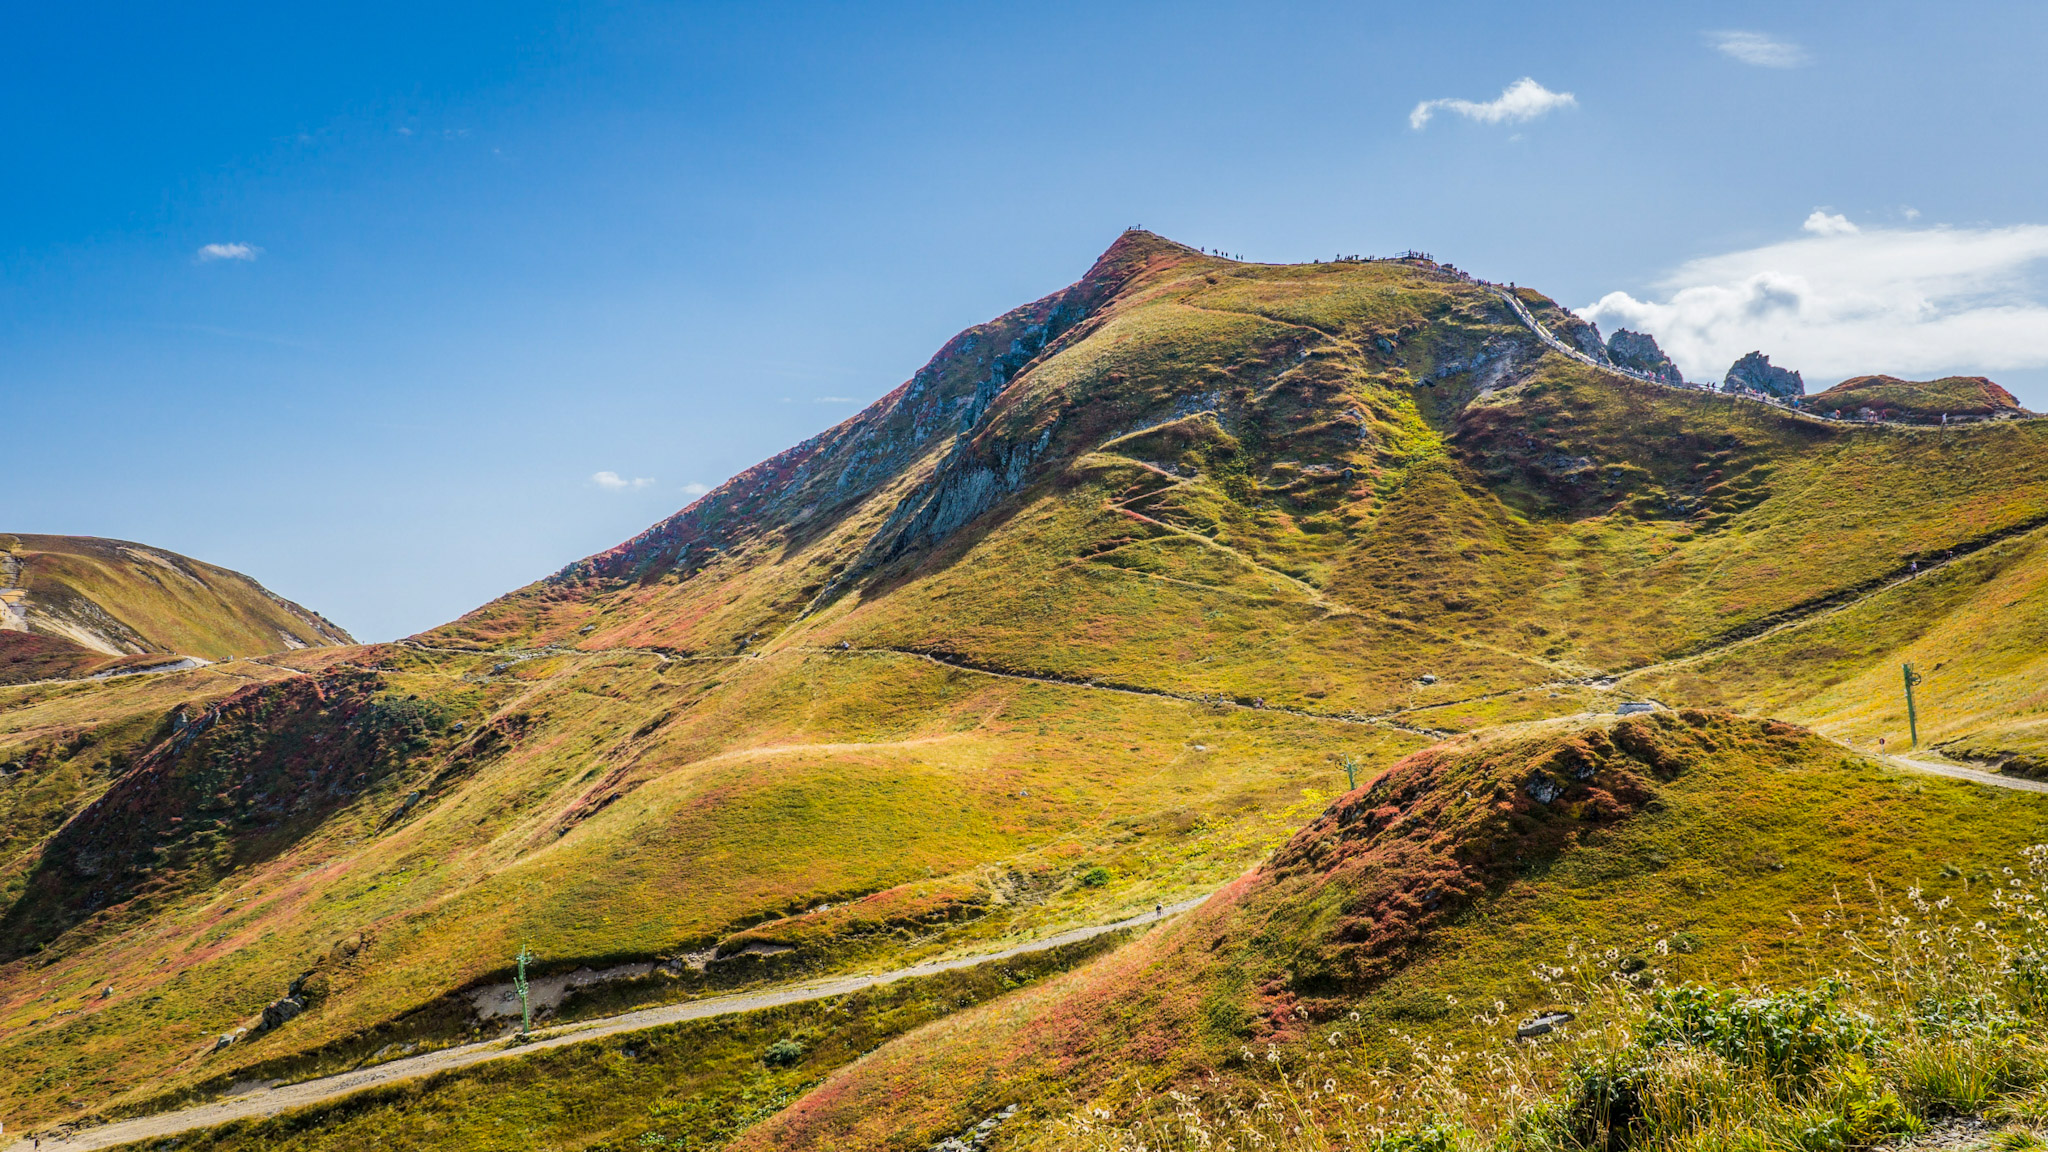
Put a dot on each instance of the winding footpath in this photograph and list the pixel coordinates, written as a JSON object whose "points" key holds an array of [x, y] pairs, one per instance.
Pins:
{"points": [[271, 1101], [1954, 771]]}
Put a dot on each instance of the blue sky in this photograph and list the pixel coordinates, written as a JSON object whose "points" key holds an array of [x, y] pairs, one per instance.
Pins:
{"points": [[364, 301]]}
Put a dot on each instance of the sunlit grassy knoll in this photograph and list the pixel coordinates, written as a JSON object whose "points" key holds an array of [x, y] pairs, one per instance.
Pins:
{"points": [[1976, 629], [1891, 398], [1422, 900], [617, 807], [1714, 516]]}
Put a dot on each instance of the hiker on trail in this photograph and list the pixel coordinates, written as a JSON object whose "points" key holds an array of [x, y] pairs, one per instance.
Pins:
{"points": [[1158, 910], [1880, 745]]}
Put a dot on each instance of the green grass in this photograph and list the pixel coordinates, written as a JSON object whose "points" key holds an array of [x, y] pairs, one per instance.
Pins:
{"points": [[1931, 1019], [890, 772], [690, 1086], [1898, 399], [1754, 824]]}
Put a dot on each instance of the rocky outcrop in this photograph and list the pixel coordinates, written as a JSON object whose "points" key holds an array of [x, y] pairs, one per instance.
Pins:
{"points": [[940, 408], [1754, 373], [1583, 335], [1639, 351], [278, 1012]]}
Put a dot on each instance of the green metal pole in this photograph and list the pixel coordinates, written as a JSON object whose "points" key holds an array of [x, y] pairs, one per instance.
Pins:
{"points": [[1350, 771], [519, 984], [1912, 716]]}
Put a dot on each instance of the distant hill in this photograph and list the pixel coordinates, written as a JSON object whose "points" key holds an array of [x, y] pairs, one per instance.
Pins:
{"points": [[80, 605], [1890, 398]]}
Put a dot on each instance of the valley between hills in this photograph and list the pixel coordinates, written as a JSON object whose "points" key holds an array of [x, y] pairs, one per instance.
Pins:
{"points": [[1307, 706]]}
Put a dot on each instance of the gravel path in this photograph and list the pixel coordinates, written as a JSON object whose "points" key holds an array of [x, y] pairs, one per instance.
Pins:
{"points": [[1958, 772], [270, 1102]]}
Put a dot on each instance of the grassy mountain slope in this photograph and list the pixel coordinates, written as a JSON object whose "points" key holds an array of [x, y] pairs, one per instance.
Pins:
{"points": [[1079, 619], [92, 605], [754, 790], [1438, 900], [1976, 629], [1896, 399], [1233, 479]]}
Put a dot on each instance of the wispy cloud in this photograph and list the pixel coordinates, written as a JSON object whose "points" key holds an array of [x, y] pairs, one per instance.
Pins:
{"points": [[208, 253], [695, 489], [833, 400], [1843, 300], [1525, 99], [1758, 49], [614, 482]]}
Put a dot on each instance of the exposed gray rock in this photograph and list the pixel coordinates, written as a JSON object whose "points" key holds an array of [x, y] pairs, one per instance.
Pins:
{"points": [[1754, 373], [1581, 334], [277, 1012], [1544, 1024], [1639, 351], [977, 1137]]}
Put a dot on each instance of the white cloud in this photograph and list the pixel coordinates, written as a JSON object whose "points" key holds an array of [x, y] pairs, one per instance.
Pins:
{"points": [[1758, 49], [695, 489], [617, 483], [1525, 99], [212, 252], [833, 400], [1842, 301], [1823, 223]]}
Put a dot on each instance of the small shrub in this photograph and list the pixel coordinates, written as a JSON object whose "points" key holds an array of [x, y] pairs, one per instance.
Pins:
{"points": [[1788, 1033], [1095, 877], [783, 1053]]}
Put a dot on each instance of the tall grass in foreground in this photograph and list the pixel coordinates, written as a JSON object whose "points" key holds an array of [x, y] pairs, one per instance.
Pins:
{"points": [[1927, 1014]]}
